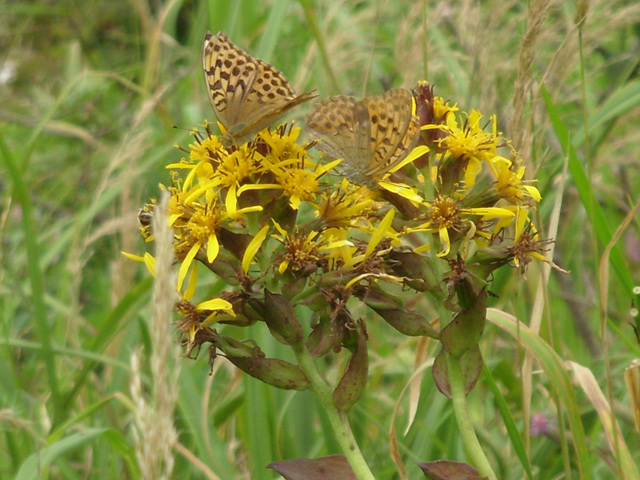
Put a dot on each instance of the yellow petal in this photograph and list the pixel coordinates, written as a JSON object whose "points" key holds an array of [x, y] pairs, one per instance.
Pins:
{"points": [[231, 202], [192, 283], [213, 248], [253, 248], [283, 266], [150, 263], [186, 263], [131, 256], [415, 153], [379, 232], [217, 304], [445, 243]]}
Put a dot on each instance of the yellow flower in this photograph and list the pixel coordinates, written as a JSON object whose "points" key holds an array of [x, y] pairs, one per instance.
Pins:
{"points": [[301, 250], [441, 108], [526, 245], [195, 226], [343, 205], [509, 183], [468, 142], [446, 215]]}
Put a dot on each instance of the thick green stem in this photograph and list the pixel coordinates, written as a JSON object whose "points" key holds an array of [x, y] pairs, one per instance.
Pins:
{"points": [[338, 419], [461, 410]]}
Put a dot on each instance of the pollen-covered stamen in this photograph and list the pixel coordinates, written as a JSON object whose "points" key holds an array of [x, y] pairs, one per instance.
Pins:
{"points": [[527, 248], [469, 141], [299, 183], [444, 213], [301, 252], [235, 168], [190, 317], [189, 326], [203, 224]]}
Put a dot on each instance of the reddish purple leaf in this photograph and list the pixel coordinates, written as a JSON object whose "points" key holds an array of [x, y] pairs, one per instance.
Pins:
{"points": [[333, 467], [448, 470]]}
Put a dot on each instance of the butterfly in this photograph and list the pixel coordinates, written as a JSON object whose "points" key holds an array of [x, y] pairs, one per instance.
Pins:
{"points": [[247, 94], [372, 135]]}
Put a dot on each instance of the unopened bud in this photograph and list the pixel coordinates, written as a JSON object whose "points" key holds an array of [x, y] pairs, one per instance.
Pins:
{"points": [[321, 340], [471, 363], [391, 310], [235, 348], [467, 290], [486, 260], [354, 379], [408, 323], [282, 319], [224, 266], [417, 269], [465, 330], [273, 371]]}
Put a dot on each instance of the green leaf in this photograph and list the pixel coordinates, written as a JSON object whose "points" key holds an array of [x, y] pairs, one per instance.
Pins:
{"points": [[558, 377], [35, 463]]}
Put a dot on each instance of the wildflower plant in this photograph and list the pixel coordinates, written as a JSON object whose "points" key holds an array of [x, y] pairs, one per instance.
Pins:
{"points": [[316, 257]]}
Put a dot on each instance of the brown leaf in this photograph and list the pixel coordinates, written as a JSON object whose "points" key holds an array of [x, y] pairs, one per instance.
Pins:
{"points": [[448, 470], [333, 467]]}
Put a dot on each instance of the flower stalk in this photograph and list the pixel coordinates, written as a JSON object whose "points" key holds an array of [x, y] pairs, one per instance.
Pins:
{"points": [[463, 419], [339, 421]]}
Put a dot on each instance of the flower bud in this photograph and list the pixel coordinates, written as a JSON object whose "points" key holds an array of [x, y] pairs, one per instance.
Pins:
{"points": [[315, 300], [467, 291], [354, 379], [465, 330], [471, 362], [292, 285], [392, 311], [224, 266], [486, 260], [408, 323], [418, 269], [378, 299], [335, 277], [322, 340], [282, 319], [273, 371], [234, 243]]}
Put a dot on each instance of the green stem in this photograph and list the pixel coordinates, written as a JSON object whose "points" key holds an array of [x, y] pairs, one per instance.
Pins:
{"points": [[461, 410], [338, 419]]}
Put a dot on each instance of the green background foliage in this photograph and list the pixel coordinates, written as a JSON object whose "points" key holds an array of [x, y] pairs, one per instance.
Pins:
{"points": [[90, 93]]}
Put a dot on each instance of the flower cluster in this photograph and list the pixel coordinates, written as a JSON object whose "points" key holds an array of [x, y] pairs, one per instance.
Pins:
{"points": [[287, 235]]}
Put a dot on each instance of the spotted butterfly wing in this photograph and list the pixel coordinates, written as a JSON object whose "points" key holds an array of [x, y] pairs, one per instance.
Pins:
{"points": [[372, 135], [247, 94], [340, 125], [394, 129]]}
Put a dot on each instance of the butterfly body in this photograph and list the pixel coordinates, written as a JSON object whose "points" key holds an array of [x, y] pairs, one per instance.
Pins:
{"points": [[247, 94], [373, 135]]}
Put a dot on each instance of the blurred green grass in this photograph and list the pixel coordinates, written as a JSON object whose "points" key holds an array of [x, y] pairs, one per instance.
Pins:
{"points": [[90, 95]]}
